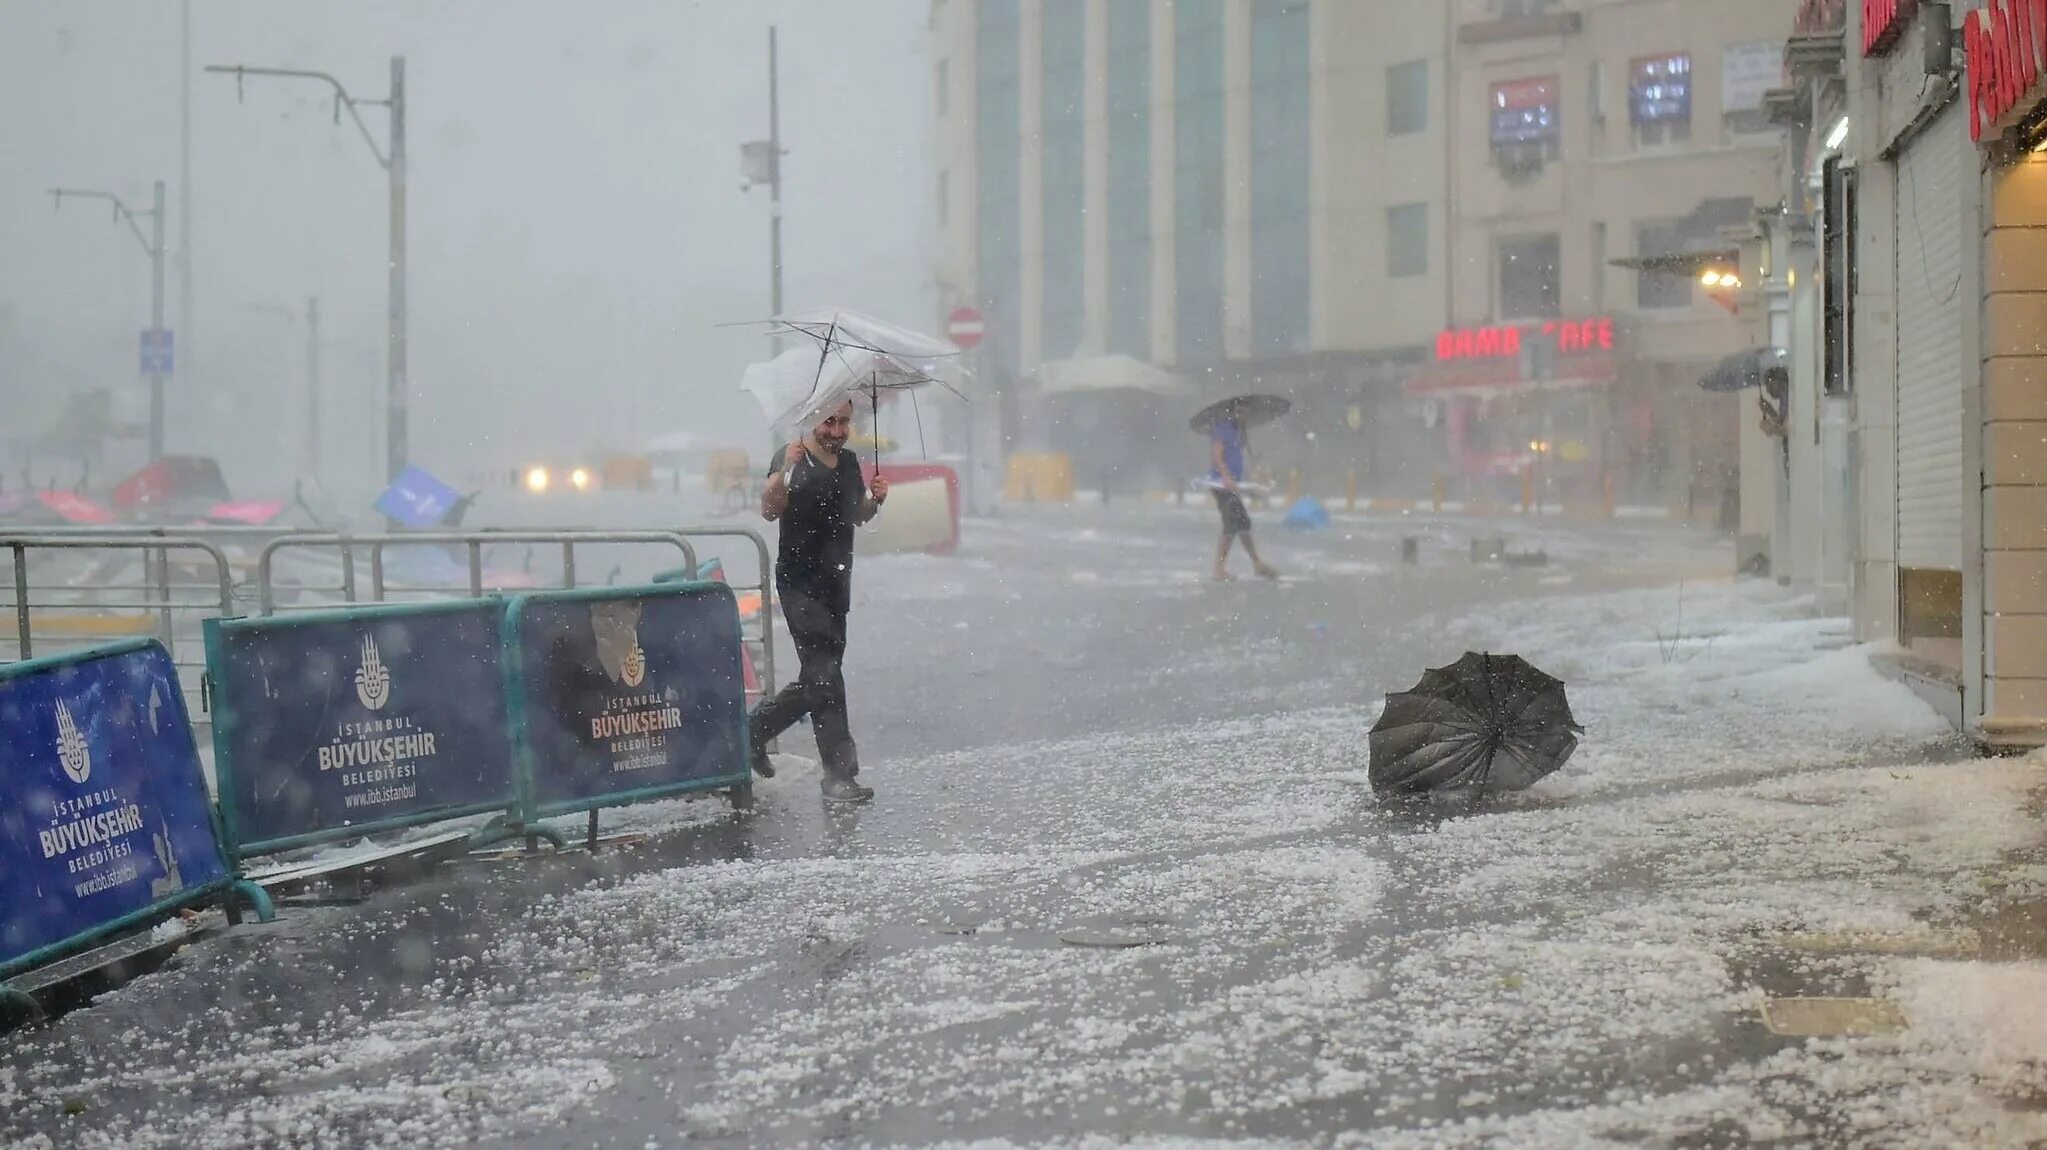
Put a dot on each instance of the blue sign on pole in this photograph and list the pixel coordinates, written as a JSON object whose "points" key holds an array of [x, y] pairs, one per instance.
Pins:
{"points": [[417, 499], [623, 694], [158, 351], [104, 815], [333, 724]]}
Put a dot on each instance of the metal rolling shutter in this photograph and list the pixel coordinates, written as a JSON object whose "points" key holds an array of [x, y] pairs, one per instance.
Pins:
{"points": [[1933, 171]]}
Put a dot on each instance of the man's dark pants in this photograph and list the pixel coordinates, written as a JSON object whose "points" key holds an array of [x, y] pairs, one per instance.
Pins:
{"points": [[818, 628]]}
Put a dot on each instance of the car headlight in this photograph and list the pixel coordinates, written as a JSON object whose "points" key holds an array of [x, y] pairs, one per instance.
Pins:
{"points": [[536, 479]]}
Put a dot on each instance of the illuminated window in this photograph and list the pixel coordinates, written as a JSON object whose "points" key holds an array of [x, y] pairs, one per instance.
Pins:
{"points": [[1660, 100], [1527, 130]]}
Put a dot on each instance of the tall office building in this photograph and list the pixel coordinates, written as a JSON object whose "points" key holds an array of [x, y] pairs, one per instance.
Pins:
{"points": [[1404, 216]]}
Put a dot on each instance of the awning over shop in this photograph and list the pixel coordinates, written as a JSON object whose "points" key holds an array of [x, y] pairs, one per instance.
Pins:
{"points": [[1493, 379]]}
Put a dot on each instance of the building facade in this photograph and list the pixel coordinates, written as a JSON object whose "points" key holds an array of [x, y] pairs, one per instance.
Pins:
{"points": [[1923, 190], [1402, 216]]}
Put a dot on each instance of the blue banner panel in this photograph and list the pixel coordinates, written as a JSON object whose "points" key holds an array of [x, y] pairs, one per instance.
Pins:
{"points": [[332, 724], [626, 694], [103, 806]]}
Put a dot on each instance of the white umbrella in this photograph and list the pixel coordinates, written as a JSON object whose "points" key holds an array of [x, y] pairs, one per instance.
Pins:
{"points": [[795, 389], [835, 328], [851, 353]]}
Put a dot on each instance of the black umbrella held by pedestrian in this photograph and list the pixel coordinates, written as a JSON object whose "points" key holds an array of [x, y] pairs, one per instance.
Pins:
{"points": [[1485, 723], [1247, 410]]}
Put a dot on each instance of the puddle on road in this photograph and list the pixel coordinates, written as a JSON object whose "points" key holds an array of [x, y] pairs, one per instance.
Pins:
{"points": [[1833, 1017]]}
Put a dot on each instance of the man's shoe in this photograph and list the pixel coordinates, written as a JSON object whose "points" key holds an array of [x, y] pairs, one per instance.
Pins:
{"points": [[840, 789], [759, 757]]}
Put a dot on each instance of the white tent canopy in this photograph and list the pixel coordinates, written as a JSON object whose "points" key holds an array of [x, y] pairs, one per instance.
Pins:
{"points": [[1110, 373]]}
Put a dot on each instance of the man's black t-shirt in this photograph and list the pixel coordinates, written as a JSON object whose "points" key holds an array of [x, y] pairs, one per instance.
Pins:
{"points": [[816, 553]]}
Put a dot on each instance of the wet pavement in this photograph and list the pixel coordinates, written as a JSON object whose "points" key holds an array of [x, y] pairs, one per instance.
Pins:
{"points": [[1124, 882]]}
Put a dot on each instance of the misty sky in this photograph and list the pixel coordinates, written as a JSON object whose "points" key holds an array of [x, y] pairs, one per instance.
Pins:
{"points": [[577, 226]]}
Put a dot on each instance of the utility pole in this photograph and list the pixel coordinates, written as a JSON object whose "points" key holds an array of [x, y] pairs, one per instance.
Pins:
{"points": [[156, 352], [313, 386], [185, 305], [397, 395], [398, 444], [761, 163], [774, 179], [156, 373]]}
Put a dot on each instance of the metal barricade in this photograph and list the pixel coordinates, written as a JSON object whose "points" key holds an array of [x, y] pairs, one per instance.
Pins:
{"points": [[762, 637], [98, 600], [369, 551]]}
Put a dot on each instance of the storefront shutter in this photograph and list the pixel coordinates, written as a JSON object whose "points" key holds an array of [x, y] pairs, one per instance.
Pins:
{"points": [[1933, 173]]}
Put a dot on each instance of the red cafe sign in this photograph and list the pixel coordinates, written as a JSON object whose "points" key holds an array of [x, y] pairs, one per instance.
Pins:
{"points": [[1882, 23], [2005, 59], [1572, 336]]}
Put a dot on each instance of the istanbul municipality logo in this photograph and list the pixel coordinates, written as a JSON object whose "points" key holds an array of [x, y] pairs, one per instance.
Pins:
{"points": [[616, 627], [73, 754], [372, 681]]}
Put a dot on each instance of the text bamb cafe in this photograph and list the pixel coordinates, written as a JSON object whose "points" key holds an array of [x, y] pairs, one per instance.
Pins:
{"points": [[1474, 367]]}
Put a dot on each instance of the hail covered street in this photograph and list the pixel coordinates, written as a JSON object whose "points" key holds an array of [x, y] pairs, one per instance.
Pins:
{"points": [[1125, 882]]}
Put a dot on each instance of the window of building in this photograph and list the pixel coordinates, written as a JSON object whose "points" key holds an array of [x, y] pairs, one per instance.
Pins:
{"points": [[1281, 150], [1837, 243], [1129, 161], [1063, 303], [1526, 126], [1407, 98], [1198, 179], [1407, 241], [1510, 8], [1529, 276], [944, 94], [1659, 289], [1660, 100], [998, 163]]}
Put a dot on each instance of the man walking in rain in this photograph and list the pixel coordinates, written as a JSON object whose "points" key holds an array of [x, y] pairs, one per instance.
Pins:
{"points": [[1228, 442], [815, 489]]}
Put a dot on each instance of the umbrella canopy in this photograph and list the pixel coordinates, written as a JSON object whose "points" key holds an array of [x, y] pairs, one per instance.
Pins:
{"points": [[795, 389], [834, 328], [1490, 722], [1250, 410], [853, 353], [190, 478], [1744, 369]]}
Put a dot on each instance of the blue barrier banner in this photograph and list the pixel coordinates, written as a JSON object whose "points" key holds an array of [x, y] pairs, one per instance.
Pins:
{"points": [[622, 694], [104, 814], [333, 724]]}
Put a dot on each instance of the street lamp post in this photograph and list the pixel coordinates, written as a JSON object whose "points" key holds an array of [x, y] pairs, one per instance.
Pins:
{"points": [[761, 162], [152, 244], [397, 381]]}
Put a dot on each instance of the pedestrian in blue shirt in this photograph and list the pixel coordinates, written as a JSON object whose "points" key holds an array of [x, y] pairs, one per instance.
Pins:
{"points": [[1227, 444]]}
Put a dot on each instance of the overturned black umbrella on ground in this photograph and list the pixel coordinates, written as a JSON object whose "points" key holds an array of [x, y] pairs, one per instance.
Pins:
{"points": [[1250, 411], [1487, 722]]}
